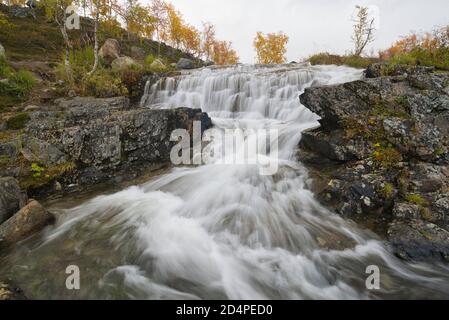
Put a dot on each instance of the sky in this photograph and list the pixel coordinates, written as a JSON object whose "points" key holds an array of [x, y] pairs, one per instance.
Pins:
{"points": [[312, 25]]}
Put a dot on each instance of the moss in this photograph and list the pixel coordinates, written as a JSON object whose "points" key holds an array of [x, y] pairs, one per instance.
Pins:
{"points": [[382, 110], [40, 175], [386, 156], [387, 190], [416, 199], [18, 121], [401, 100]]}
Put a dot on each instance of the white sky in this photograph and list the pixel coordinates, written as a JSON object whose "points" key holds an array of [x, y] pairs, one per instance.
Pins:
{"points": [[312, 25]]}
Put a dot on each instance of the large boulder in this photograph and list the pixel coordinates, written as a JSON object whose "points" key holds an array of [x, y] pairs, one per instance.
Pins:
{"points": [[11, 198], [29, 220], [418, 240], [124, 63], [110, 50], [185, 63]]}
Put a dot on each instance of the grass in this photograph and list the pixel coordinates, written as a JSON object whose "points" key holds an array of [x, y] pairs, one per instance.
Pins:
{"points": [[386, 156], [416, 199], [438, 58], [325, 58], [387, 190]]}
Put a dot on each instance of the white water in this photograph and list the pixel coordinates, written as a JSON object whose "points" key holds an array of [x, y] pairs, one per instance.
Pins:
{"points": [[217, 231]]}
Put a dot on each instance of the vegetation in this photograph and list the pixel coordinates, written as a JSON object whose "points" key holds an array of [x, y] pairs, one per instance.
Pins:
{"points": [[363, 30], [350, 61], [271, 48], [18, 121], [416, 199]]}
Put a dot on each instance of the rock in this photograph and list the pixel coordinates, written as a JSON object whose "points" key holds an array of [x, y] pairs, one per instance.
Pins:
{"points": [[184, 63], [404, 210], [2, 51], [123, 63], [106, 136], [418, 240], [137, 52], [31, 4], [12, 199], [35, 150], [20, 12], [29, 220], [158, 65], [377, 70], [110, 50], [10, 292], [208, 63], [382, 151]]}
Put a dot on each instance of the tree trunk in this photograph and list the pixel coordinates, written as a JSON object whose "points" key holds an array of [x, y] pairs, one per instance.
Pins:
{"points": [[95, 66]]}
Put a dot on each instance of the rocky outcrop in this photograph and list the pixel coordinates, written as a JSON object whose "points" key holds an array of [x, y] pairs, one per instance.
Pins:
{"points": [[11, 198], [185, 63], [84, 141], [382, 152], [29, 220], [110, 50]]}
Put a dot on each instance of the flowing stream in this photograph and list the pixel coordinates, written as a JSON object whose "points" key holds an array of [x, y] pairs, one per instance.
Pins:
{"points": [[219, 231]]}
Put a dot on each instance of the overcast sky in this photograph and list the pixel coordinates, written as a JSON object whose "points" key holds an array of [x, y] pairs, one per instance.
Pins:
{"points": [[312, 25]]}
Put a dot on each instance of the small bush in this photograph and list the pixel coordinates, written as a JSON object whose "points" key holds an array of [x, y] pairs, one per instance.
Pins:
{"points": [[18, 121], [350, 61], [325, 58], [104, 84], [150, 59]]}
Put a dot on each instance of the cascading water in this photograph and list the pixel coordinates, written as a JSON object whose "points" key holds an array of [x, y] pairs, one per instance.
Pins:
{"points": [[223, 231]]}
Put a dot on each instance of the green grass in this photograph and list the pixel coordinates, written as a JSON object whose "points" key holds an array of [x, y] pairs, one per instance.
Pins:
{"points": [[416, 199], [438, 58]]}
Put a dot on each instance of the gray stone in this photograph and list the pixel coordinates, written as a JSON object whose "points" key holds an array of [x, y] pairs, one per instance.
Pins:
{"points": [[10, 292], [30, 219], [184, 63], [11, 198], [137, 52], [110, 50], [124, 62]]}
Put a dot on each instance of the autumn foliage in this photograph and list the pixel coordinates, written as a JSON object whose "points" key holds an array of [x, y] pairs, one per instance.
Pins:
{"points": [[271, 48]]}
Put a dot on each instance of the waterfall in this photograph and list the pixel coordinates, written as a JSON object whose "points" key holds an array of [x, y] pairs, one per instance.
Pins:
{"points": [[225, 231]]}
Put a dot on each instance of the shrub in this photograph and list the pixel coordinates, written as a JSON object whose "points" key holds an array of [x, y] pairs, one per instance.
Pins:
{"points": [[150, 59], [325, 58], [18, 121], [350, 61], [104, 84]]}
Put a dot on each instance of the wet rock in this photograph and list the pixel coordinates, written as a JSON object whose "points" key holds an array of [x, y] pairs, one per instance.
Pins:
{"points": [[185, 63], [10, 292], [105, 136], [29, 220], [110, 50], [11, 198], [418, 240], [123, 63]]}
